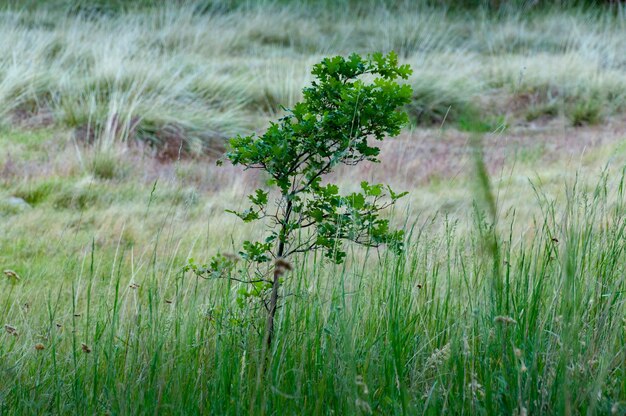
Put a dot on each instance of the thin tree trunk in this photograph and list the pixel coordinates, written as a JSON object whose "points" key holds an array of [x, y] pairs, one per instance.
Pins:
{"points": [[276, 283], [272, 311]]}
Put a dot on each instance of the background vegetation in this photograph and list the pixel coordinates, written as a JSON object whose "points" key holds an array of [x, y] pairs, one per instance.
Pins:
{"points": [[509, 299], [199, 73]]}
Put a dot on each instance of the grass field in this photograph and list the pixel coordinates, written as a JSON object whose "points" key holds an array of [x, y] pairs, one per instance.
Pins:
{"points": [[509, 299]]}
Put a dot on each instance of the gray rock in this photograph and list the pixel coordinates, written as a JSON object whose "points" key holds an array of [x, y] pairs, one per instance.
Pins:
{"points": [[17, 203]]}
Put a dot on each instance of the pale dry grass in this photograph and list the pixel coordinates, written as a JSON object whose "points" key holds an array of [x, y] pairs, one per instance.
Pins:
{"points": [[216, 74]]}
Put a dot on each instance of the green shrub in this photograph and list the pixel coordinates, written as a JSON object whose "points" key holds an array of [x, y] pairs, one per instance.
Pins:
{"points": [[474, 122], [105, 165], [584, 113], [537, 111], [432, 104], [36, 193]]}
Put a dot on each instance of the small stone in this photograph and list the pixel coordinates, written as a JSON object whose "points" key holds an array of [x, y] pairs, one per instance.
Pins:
{"points": [[17, 203]]}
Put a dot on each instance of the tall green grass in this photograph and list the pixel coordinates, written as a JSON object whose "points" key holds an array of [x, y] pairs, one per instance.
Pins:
{"points": [[505, 318]]}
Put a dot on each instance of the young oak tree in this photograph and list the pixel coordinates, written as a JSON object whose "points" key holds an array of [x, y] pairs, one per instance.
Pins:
{"points": [[351, 103]]}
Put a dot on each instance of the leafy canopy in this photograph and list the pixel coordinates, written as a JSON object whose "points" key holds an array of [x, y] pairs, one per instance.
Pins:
{"points": [[352, 103]]}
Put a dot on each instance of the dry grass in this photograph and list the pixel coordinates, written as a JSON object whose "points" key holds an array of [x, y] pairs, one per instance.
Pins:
{"points": [[169, 73]]}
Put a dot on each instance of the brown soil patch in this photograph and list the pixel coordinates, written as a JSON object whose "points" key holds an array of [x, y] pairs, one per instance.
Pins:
{"points": [[417, 157], [25, 117]]}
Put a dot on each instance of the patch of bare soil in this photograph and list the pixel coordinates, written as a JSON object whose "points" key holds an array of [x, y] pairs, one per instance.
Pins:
{"points": [[417, 157], [26, 117]]}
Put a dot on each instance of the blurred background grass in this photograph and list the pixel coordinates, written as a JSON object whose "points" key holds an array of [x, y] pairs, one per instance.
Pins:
{"points": [[191, 74]]}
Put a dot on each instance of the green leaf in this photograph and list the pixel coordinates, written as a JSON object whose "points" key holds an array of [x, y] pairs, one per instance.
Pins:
{"points": [[395, 196], [256, 252], [259, 198], [247, 215], [357, 201], [371, 190]]}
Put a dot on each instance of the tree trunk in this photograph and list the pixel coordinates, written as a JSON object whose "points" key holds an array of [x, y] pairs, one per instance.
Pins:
{"points": [[276, 283], [272, 311]]}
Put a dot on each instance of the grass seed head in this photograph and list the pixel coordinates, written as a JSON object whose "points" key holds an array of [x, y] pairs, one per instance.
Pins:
{"points": [[85, 348], [360, 381], [505, 320], [475, 387], [11, 330], [363, 406], [12, 276], [281, 266], [39, 346], [438, 357]]}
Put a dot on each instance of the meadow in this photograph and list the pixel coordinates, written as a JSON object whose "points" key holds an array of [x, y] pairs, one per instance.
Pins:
{"points": [[508, 299]]}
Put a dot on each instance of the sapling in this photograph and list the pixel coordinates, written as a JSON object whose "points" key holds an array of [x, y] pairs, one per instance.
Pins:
{"points": [[352, 103]]}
